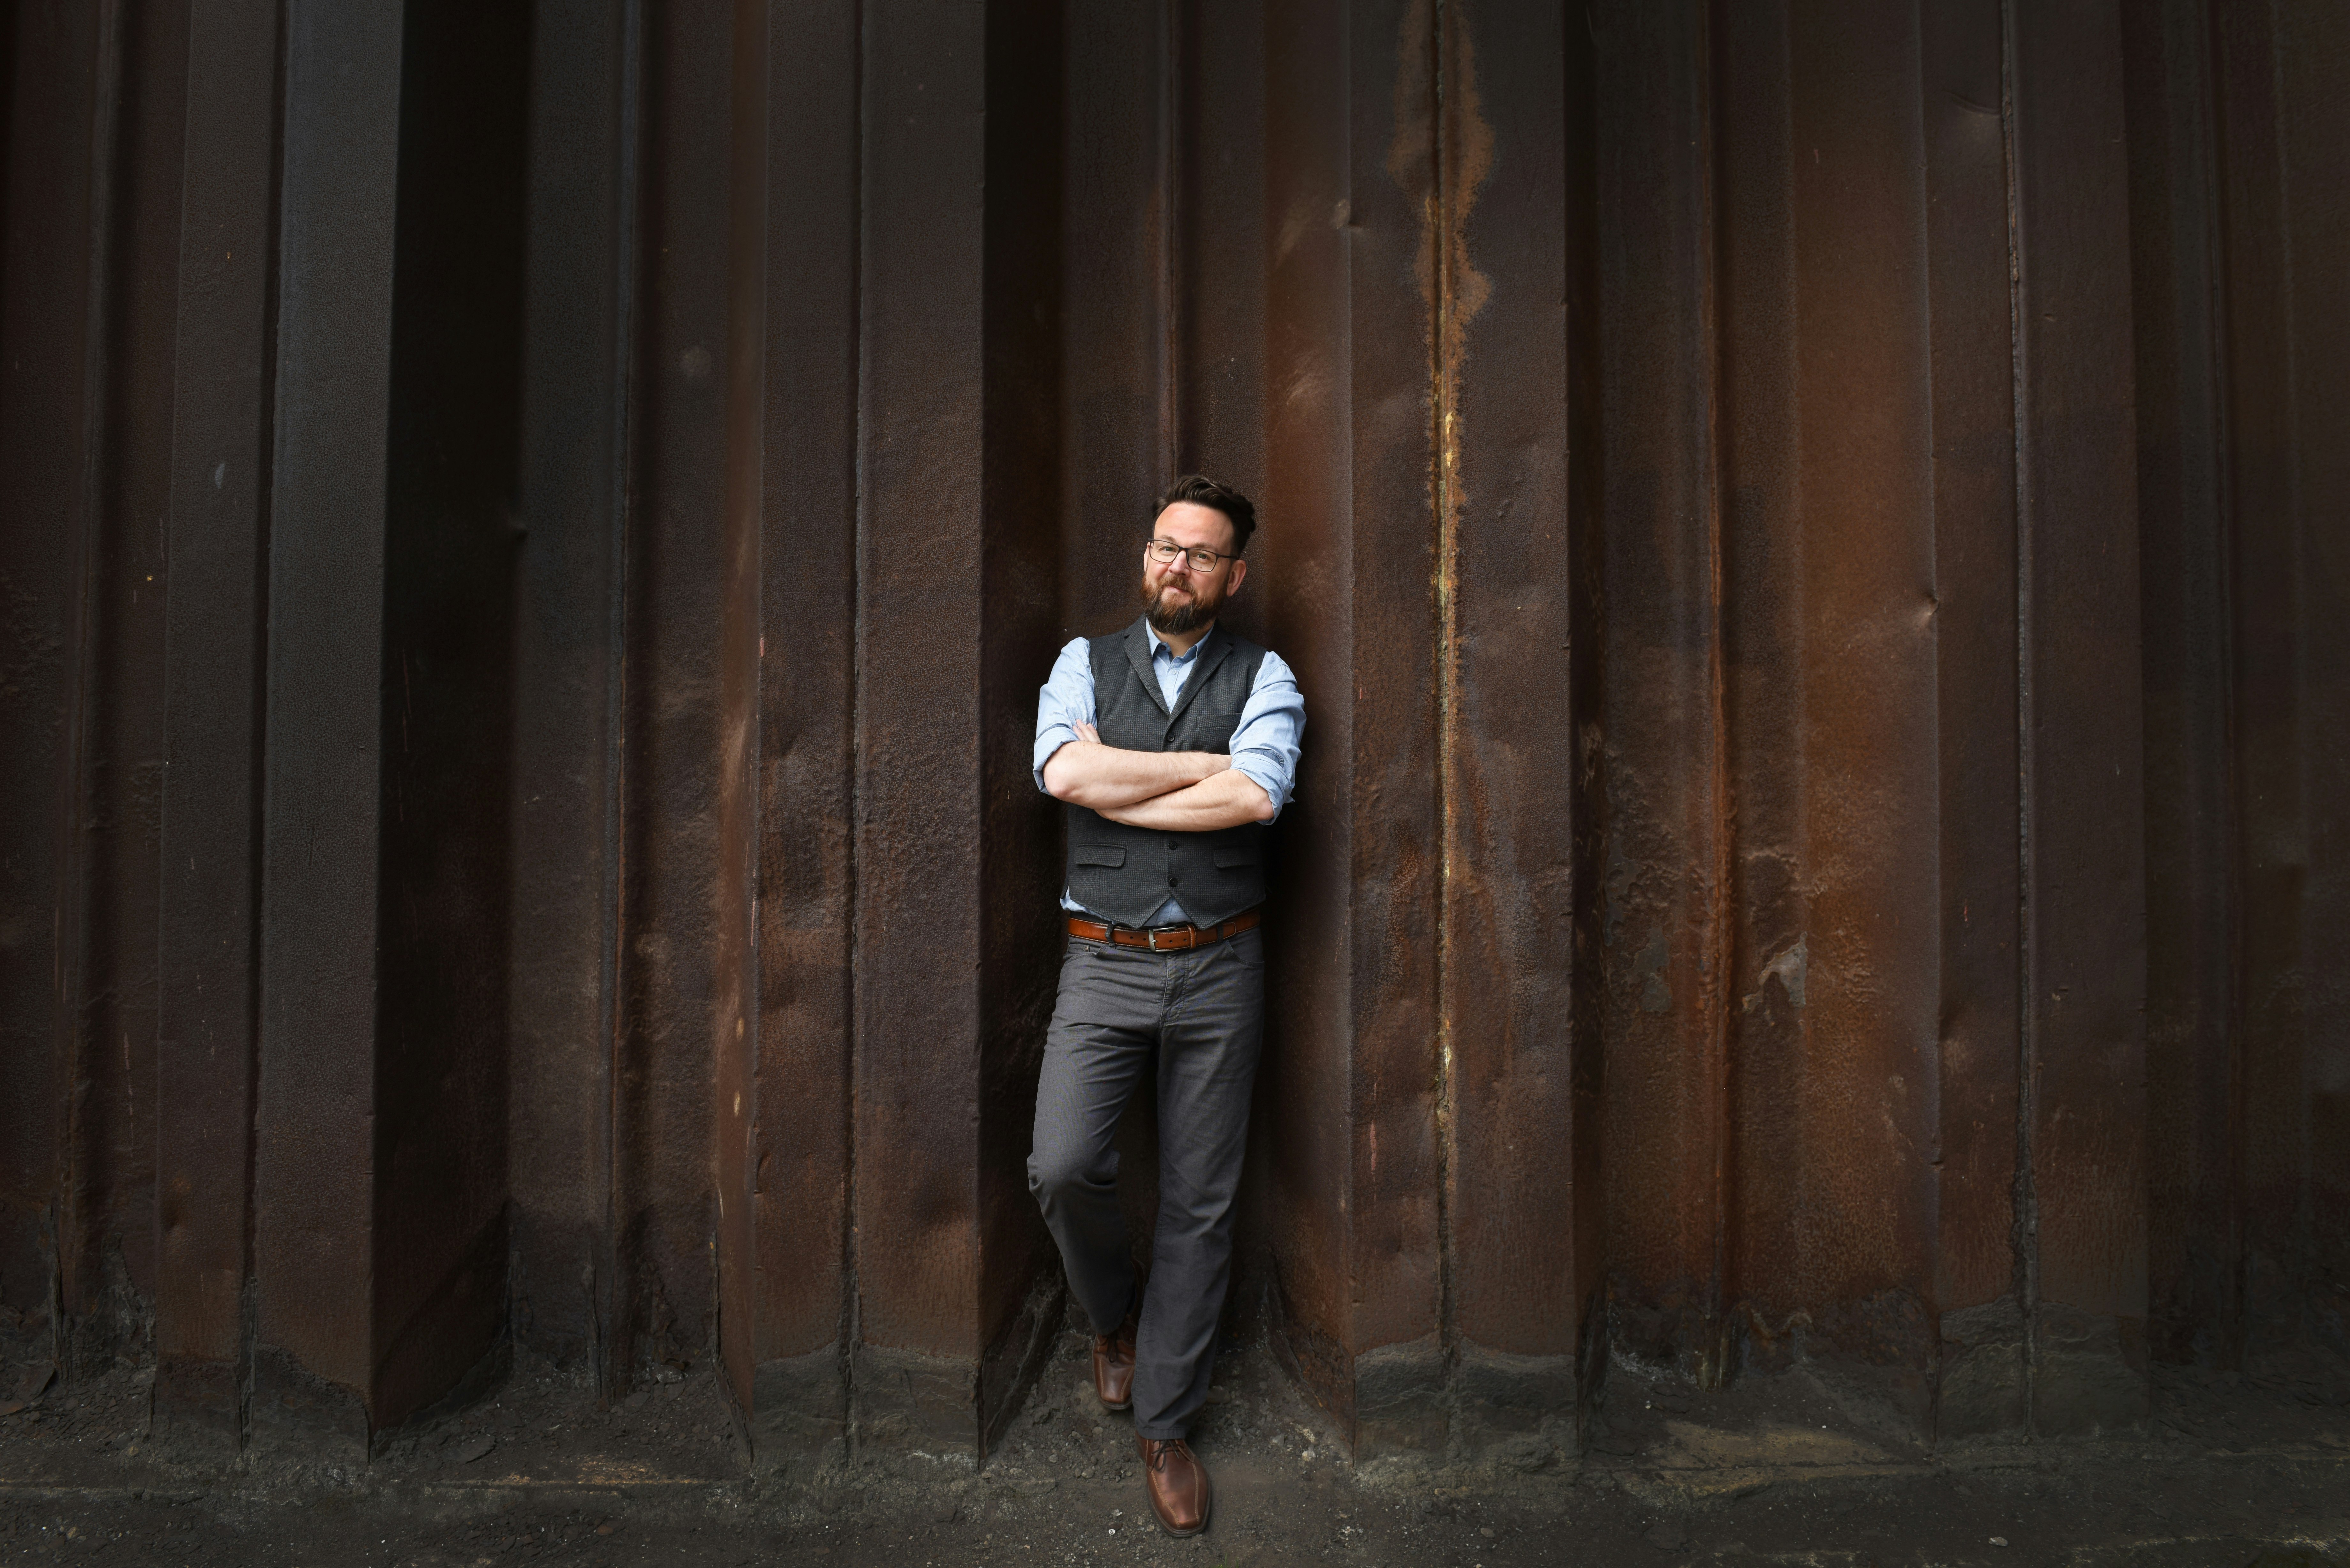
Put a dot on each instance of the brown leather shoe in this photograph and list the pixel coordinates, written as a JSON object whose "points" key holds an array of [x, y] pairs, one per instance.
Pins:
{"points": [[1178, 1484], [1114, 1361]]}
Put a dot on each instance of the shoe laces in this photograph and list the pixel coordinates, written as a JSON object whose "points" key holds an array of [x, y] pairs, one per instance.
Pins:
{"points": [[1156, 1452]]}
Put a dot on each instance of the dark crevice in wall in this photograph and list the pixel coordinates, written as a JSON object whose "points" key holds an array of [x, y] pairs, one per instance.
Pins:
{"points": [[452, 535], [1020, 614]]}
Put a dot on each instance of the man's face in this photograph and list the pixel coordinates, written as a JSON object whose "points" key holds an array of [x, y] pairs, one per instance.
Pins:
{"points": [[1178, 597]]}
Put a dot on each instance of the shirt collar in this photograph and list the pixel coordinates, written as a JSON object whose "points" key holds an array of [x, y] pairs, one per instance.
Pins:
{"points": [[1159, 645]]}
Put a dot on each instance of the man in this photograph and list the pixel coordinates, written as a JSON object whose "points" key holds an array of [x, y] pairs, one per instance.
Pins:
{"points": [[1172, 744]]}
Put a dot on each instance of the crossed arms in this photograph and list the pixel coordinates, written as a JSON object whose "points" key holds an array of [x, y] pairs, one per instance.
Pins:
{"points": [[1174, 792]]}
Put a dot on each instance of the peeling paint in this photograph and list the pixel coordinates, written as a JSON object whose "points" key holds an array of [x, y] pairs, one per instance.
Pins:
{"points": [[1789, 969]]}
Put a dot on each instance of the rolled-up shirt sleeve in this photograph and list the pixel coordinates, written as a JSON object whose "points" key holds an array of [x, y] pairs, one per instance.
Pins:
{"points": [[1272, 726], [1066, 702]]}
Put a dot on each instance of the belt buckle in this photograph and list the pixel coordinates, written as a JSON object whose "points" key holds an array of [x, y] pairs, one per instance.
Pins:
{"points": [[1153, 934]]}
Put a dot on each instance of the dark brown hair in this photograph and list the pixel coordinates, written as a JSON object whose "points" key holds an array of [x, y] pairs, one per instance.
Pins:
{"points": [[1199, 490]]}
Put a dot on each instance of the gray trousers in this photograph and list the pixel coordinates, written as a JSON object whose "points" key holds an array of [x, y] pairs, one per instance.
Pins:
{"points": [[1196, 1018]]}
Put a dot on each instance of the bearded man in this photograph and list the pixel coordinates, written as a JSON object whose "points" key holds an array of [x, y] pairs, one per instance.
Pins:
{"points": [[1172, 744]]}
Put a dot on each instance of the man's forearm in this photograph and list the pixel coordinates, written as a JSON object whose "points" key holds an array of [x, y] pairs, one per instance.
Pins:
{"points": [[1226, 799], [1088, 773]]}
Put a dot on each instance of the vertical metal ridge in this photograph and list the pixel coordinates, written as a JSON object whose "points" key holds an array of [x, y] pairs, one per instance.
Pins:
{"points": [[323, 953], [205, 1012], [1931, 1080], [1350, 1220], [264, 510], [1170, 255], [1713, 987], [2027, 1218], [69, 938], [852, 1299], [2288, 385], [743, 584], [2213, 151], [1444, 451], [606, 1294]]}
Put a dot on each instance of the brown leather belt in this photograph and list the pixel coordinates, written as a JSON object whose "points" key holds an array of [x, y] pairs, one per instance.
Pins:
{"points": [[1163, 938]]}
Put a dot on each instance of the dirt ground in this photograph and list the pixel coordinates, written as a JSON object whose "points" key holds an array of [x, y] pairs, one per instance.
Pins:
{"points": [[2230, 1471]]}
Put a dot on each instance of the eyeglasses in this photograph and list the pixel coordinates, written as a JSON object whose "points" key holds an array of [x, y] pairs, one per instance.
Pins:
{"points": [[1164, 552]]}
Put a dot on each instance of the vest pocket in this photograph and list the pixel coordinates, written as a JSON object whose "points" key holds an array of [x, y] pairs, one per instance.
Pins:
{"points": [[1099, 855], [1229, 857]]}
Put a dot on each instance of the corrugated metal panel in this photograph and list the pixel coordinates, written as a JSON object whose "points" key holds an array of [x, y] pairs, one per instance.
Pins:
{"points": [[1805, 530]]}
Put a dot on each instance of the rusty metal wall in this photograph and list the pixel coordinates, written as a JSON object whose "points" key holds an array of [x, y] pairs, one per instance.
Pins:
{"points": [[1812, 533]]}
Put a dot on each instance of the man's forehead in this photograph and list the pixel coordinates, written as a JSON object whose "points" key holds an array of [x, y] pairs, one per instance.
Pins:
{"points": [[1188, 522]]}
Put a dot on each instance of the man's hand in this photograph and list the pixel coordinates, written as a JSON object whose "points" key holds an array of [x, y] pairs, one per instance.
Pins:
{"points": [[1105, 778], [1224, 799]]}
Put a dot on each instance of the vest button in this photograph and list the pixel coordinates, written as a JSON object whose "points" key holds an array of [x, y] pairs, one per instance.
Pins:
{"points": [[1172, 882]]}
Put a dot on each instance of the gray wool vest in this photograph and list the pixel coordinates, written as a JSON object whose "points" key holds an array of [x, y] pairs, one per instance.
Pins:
{"points": [[1124, 874]]}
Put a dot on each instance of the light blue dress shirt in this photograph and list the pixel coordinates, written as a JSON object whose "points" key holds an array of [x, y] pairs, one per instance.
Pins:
{"points": [[1263, 745]]}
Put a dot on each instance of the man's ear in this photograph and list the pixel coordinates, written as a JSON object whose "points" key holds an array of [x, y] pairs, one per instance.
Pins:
{"points": [[1240, 575]]}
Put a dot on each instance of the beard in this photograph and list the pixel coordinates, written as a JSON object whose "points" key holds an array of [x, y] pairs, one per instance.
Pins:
{"points": [[1184, 616]]}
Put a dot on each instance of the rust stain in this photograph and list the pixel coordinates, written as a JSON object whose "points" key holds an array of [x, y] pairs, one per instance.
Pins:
{"points": [[1440, 156]]}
